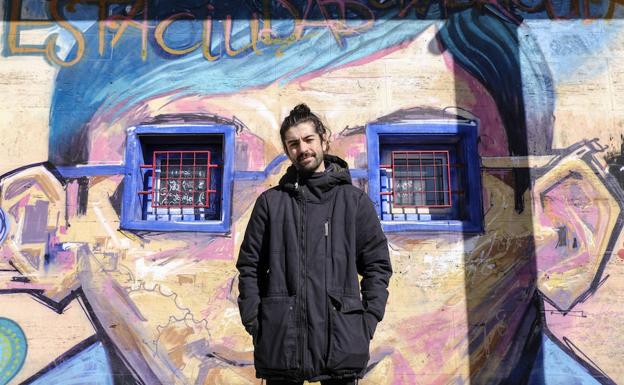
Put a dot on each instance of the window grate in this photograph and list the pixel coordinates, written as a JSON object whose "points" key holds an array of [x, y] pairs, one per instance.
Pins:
{"points": [[180, 179], [419, 179], [425, 176]]}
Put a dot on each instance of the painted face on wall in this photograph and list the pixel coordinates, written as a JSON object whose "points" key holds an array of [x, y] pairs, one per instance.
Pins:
{"points": [[168, 300], [420, 270], [172, 296]]}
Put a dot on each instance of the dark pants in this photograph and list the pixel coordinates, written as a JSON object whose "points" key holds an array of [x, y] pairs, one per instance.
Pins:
{"points": [[325, 382]]}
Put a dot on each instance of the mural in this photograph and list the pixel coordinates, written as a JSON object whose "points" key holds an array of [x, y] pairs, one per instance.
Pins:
{"points": [[89, 296]]}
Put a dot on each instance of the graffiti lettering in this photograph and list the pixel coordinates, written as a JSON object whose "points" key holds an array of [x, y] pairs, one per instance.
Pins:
{"points": [[338, 26], [159, 34], [342, 18], [260, 30], [207, 39], [120, 23], [50, 45]]}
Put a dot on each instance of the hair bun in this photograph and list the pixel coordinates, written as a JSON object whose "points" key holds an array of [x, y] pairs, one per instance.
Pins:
{"points": [[301, 109]]}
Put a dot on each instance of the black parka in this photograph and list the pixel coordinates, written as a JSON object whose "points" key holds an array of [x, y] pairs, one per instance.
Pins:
{"points": [[301, 299]]}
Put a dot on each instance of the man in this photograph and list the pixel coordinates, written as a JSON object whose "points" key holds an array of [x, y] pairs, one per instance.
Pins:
{"points": [[306, 242]]}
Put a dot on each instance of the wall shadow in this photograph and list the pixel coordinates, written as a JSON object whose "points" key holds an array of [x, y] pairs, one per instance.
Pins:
{"points": [[503, 306]]}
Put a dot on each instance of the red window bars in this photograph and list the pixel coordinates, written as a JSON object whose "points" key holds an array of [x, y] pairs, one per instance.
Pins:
{"points": [[180, 179], [420, 179]]}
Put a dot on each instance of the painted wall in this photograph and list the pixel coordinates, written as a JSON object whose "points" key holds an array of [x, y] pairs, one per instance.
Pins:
{"points": [[533, 299]]}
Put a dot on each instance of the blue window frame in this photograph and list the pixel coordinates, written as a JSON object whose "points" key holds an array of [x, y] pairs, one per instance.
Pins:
{"points": [[178, 178], [425, 175]]}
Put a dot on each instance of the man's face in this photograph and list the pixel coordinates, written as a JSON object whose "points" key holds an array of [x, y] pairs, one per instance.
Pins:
{"points": [[305, 147]]}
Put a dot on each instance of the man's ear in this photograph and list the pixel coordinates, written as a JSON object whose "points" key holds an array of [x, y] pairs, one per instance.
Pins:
{"points": [[34, 202], [575, 216], [35, 207], [325, 142]]}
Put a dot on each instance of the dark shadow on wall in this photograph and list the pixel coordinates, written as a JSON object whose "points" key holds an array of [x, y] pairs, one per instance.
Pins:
{"points": [[509, 339], [503, 307], [313, 10]]}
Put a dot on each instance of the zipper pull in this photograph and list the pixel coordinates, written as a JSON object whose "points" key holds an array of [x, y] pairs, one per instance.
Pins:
{"points": [[326, 228]]}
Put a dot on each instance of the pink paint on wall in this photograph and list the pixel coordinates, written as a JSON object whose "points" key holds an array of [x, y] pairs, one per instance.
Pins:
{"points": [[568, 208], [223, 292], [205, 249], [72, 199], [556, 321], [107, 148], [5, 253], [194, 104], [356, 63], [357, 146], [403, 373], [23, 202], [218, 249], [253, 151], [492, 136], [430, 332]]}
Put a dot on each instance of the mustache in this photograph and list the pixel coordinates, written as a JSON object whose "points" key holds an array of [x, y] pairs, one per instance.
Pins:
{"points": [[305, 155]]}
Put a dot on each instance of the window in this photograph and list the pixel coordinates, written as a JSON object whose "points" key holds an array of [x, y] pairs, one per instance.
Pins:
{"points": [[418, 179], [425, 175], [178, 178]]}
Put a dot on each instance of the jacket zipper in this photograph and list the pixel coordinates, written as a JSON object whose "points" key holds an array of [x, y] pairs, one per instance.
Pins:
{"points": [[305, 274], [327, 308]]}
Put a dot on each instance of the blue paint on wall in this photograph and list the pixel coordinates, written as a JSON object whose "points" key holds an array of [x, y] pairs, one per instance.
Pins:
{"points": [[261, 175], [13, 349], [554, 366], [91, 366], [122, 82], [462, 132], [91, 170], [131, 214], [4, 226]]}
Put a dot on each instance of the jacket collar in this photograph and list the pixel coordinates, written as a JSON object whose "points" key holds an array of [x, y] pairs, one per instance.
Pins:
{"points": [[336, 173]]}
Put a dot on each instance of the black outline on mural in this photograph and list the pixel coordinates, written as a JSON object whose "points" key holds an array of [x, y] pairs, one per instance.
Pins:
{"points": [[595, 372], [612, 186], [121, 371]]}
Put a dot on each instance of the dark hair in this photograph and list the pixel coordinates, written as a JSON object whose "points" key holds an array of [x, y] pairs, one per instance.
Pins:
{"points": [[300, 114], [489, 48]]}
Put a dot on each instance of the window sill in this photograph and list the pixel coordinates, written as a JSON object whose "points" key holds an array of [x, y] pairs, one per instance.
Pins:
{"points": [[461, 226], [204, 227]]}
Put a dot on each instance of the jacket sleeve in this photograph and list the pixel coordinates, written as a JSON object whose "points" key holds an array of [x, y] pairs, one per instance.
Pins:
{"points": [[248, 264], [373, 263]]}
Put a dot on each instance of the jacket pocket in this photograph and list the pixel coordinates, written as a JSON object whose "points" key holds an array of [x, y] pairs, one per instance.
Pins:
{"points": [[276, 343], [349, 341]]}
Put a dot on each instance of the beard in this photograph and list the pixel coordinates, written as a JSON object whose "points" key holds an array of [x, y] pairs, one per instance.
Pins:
{"points": [[309, 162]]}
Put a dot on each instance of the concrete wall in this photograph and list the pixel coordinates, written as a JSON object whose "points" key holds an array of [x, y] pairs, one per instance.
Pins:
{"points": [[532, 299]]}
